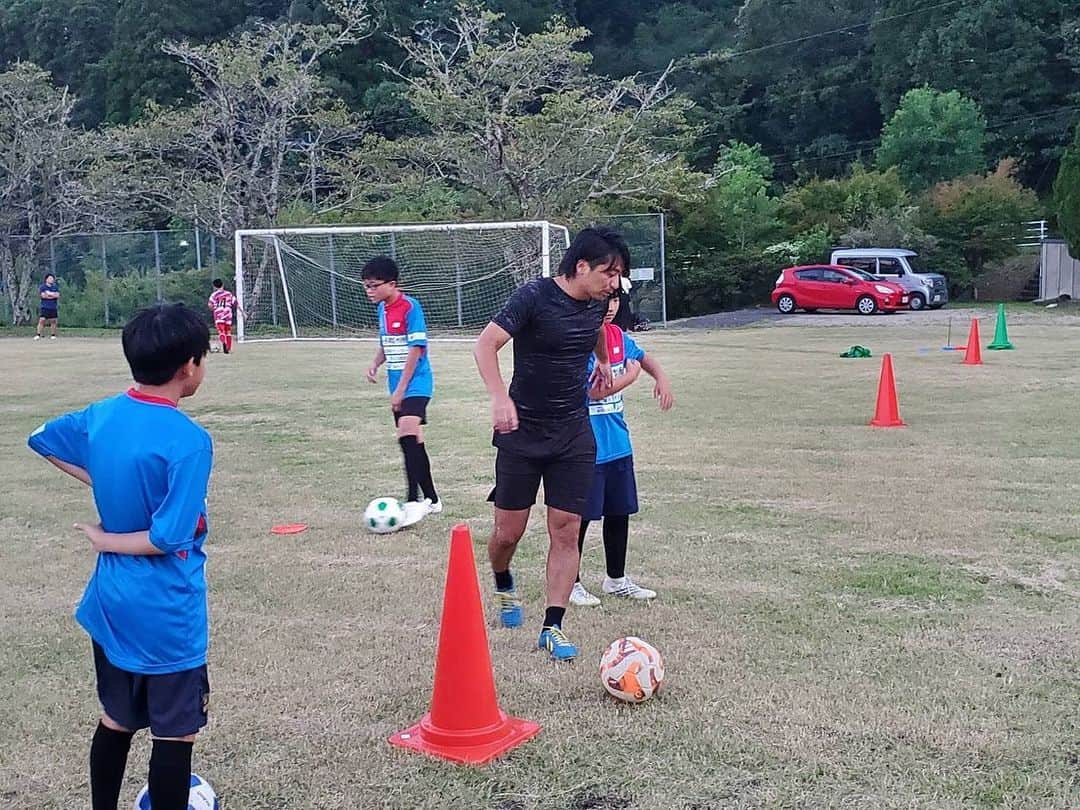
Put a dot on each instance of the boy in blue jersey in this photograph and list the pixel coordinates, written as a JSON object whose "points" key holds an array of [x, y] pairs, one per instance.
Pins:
{"points": [[50, 306], [144, 608], [613, 496], [403, 347]]}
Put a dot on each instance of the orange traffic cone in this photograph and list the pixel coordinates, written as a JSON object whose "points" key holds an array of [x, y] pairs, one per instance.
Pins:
{"points": [[465, 723], [973, 355], [887, 413]]}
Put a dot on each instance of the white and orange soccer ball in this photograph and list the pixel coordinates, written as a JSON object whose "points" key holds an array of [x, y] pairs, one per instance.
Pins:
{"points": [[631, 669]]}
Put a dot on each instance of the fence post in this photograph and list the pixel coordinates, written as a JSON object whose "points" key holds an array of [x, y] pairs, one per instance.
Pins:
{"points": [[333, 280], [457, 274], [663, 272], [52, 255], [213, 253], [198, 251], [157, 262], [105, 278]]}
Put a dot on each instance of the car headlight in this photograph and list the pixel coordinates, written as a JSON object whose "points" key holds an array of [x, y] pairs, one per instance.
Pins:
{"points": [[883, 290]]}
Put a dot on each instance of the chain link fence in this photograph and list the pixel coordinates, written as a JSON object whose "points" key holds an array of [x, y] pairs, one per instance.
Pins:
{"points": [[105, 277], [644, 234]]}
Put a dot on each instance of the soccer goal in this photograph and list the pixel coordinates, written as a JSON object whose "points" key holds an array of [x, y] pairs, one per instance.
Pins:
{"points": [[304, 283]]}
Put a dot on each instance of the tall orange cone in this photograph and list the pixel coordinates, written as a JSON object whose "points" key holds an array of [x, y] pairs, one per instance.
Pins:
{"points": [[465, 723], [973, 355], [887, 412]]}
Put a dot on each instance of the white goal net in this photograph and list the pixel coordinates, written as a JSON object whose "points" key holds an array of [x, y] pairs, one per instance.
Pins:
{"points": [[295, 283]]}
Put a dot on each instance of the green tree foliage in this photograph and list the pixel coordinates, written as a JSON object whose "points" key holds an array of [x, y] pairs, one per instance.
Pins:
{"points": [[933, 136], [1067, 195], [977, 219]]}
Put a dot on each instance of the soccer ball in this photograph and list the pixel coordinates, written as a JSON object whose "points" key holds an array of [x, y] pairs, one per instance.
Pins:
{"points": [[631, 669], [201, 797], [384, 515]]}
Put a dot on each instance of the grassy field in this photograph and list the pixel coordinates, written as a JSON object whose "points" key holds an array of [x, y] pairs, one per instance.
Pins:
{"points": [[850, 617]]}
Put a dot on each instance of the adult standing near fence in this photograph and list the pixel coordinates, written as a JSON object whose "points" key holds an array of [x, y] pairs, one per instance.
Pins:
{"points": [[50, 307]]}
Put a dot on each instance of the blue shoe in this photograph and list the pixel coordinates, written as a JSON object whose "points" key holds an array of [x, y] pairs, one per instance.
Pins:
{"points": [[509, 608], [554, 640]]}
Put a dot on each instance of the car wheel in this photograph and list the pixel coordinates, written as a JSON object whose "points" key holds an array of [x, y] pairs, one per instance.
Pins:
{"points": [[917, 301], [866, 305], [786, 304]]}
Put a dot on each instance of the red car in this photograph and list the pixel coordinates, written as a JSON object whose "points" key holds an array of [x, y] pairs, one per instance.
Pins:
{"points": [[828, 286]]}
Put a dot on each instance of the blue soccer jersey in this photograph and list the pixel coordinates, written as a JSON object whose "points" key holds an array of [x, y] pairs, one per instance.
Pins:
{"points": [[606, 415], [150, 466], [402, 326]]}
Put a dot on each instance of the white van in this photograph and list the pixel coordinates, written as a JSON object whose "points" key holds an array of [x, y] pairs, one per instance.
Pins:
{"points": [[901, 267]]}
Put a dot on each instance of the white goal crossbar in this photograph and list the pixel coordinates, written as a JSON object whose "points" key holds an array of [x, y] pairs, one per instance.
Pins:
{"points": [[461, 272]]}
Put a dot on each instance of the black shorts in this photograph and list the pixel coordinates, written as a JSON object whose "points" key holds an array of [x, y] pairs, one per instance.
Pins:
{"points": [[413, 406], [54, 315], [614, 490], [567, 476], [171, 705]]}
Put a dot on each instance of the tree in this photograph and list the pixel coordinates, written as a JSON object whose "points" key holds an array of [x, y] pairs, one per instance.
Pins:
{"points": [[976, 220], [933, 136], [1067, 195], [49, 175], [521, 121]]}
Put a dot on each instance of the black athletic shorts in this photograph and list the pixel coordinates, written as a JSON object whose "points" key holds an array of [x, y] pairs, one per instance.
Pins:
{"points": [[171, 705], [50, 314], [614, 490], [413, 406], [566, 471]]}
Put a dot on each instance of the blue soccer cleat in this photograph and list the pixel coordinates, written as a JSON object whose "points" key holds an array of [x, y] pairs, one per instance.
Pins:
{"points": [[554, 640], [509, 608]]}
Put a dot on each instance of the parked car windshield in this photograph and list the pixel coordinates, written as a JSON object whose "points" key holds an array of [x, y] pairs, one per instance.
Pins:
{"points": [[917, 264]]}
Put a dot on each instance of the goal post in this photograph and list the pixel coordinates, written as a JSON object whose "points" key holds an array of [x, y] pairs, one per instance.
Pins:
{"points": [[298, 283]]}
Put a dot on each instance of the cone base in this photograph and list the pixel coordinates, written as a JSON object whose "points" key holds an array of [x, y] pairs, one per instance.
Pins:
{"points": [[883, 423], [976, 362], [1000, 347], [514, 732]]}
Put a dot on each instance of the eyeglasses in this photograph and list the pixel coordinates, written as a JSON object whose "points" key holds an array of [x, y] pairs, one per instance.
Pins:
{"points": [[375, 285]]}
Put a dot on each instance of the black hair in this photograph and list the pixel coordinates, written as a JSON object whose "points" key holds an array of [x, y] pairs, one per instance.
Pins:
{"points": [[381, 268], [159, 340], [217, 282], [48, 276], [597, 245], [624, 318]]}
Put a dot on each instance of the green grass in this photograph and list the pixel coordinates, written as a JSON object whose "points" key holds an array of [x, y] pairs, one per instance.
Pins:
{"points": [[850, 617]]}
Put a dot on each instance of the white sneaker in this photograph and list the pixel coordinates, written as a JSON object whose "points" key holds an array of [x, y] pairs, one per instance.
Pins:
{"points": [[434, 508], [626, 588], [415, 511], [581, 597], [37, 337], [52, 337]]}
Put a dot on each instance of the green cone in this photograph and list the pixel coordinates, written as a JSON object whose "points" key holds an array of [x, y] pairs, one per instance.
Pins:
{"points": [[856, 351], [1001, 333]]}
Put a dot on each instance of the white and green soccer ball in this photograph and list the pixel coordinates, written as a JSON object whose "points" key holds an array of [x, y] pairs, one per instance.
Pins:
{"points": [[384, 515]]}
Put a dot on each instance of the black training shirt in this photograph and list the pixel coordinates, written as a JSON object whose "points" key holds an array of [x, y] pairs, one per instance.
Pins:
{"points": [[554, 335]]}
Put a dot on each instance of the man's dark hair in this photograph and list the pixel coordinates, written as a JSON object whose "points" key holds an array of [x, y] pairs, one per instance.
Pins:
{"points": [[48, 276], [598, 245], [218, 283], [381, 268], [159, 340]]}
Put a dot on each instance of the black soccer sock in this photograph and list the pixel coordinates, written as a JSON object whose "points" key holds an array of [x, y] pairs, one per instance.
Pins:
{"points": [[108, 759], [407, 444], [423, 473], [553, 616], [504, 580], [616, 536], [581, 545], [170, 774]]}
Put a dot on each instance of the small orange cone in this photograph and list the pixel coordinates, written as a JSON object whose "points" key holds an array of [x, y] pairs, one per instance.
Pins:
{"points": [[973, 355], [465, 723], [887, 413]]}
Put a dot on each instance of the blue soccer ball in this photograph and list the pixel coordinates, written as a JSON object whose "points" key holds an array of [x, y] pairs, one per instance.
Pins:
{"points": [[201, 797]]}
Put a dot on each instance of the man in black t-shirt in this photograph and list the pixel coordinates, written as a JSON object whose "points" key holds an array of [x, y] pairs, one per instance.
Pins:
{"points": [[542, 428]]}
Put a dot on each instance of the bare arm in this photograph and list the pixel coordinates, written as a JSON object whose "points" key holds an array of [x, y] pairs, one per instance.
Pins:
{"points": [[662, 390], [415, 353], [77, 473], [132, 543], [380, 358], [486, 353], [633, 371]]}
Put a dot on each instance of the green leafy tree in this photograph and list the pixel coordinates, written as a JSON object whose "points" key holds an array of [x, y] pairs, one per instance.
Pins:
{"points": [[933, 136], [521, 121], [976, 220], [1067, 195]]}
